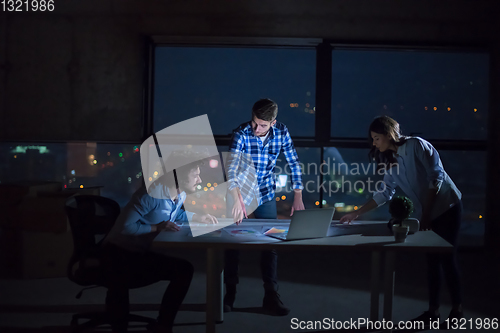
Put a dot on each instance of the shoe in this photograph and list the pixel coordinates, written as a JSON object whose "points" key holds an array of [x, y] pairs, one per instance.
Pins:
{"points": [[453, 321], [426, 318], [273, 305]]}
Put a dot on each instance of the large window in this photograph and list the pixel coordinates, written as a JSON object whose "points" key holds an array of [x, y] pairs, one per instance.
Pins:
{"points": [[225, 82], [435, 95], [439, 95], [116, 168]]}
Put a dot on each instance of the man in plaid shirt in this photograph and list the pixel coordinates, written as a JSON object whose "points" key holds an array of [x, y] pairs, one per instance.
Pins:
{"points": [[259, 141]]}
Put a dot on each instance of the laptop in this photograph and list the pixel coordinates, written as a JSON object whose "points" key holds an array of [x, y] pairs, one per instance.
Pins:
{"points": [[308, 223]]}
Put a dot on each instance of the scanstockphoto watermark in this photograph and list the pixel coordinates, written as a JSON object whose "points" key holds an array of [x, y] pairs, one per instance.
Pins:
{"points": [[337, 176], [331, 167], [344, 186], [359, 323]]}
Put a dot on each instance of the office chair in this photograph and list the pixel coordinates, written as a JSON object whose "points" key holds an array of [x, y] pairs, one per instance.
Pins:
{"points": [[91, 218]]}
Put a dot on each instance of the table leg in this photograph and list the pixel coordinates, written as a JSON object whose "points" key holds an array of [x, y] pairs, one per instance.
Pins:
{"points": [[215, 287], [375, 286], [388, 286]]}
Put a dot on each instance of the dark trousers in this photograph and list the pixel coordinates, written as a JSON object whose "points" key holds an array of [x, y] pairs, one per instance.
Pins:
{"points": [[447, 226], [268, 259], [126, 270]]}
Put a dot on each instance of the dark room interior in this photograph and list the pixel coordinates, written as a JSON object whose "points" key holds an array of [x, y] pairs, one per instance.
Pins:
{"points": [[84, 83]]}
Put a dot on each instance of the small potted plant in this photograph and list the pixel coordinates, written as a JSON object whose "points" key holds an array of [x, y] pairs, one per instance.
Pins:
{"points": [[400, 209]]}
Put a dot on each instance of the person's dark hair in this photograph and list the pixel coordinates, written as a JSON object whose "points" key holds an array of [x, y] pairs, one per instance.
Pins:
{"points": [[183, 171], [265, 109], [387, 126]]}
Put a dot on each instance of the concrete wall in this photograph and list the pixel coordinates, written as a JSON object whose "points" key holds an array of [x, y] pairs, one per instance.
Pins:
{"points": [[77, 73], [63, 71], [72, 77]]}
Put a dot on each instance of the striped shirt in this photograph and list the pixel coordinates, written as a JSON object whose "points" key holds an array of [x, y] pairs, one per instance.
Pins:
{"points": [[258, 181]]}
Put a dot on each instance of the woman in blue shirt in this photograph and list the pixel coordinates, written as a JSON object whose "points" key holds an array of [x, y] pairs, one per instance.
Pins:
{"points": [[414, 165]]}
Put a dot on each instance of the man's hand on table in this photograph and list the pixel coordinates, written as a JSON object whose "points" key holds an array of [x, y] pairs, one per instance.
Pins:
{"points": [[239, 211]]}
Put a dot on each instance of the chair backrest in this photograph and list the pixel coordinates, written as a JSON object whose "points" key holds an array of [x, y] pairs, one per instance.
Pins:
{"points": [[89, 216]]}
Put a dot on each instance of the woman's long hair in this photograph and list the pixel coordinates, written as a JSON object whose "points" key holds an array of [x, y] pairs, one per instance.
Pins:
{"points": [[387, 126]]}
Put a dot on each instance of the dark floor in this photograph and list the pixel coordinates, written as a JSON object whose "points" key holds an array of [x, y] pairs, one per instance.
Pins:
{"points": [[315, 285]]}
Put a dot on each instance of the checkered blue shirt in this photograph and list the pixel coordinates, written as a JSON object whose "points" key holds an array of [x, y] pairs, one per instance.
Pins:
{"points": [[245, 146]]}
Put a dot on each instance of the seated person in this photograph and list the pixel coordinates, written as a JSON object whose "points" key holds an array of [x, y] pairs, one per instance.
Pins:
{"points": [[127, 257]]}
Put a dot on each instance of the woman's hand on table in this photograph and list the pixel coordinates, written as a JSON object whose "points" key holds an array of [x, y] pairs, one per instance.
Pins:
{"points": [[348, 218]]}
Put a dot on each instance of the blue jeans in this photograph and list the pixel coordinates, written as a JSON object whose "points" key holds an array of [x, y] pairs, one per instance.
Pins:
{"points": [[268, 259]]}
